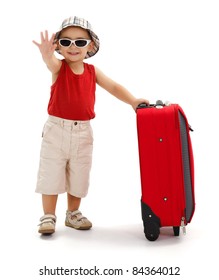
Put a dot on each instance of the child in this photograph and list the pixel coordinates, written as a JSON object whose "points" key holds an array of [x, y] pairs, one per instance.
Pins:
{"points": [[66, 151]]}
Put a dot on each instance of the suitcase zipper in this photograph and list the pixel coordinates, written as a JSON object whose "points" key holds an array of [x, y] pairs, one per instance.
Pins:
{"points": [[183, 226]]}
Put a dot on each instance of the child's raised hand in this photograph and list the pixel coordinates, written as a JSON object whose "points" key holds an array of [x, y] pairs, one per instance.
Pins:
{"points": [[47, 46]]}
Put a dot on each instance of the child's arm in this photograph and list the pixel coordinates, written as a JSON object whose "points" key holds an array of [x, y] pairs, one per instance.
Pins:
{"points": [[47, 48], [117, 90]]}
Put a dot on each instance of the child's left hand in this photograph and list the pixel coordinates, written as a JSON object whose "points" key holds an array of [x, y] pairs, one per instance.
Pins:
{"points": [[139, 101]]}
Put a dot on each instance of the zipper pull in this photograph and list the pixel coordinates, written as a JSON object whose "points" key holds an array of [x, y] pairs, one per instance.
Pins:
{"points": [[183, 225]]}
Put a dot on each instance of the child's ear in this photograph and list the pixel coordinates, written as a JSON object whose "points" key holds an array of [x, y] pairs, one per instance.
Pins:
{"points": [[91, 46]]}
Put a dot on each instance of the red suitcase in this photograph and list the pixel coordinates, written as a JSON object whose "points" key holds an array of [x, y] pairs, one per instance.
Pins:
{"points": [[166, 168]]}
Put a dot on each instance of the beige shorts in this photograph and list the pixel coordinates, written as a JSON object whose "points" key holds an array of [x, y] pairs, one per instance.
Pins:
{"points": [[65, 157]]}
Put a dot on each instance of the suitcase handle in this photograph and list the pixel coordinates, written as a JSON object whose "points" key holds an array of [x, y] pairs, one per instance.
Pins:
{"points": [[144, 105], [159, 104]]}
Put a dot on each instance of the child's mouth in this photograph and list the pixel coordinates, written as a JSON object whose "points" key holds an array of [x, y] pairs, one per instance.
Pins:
{"points": [[73, 53]]}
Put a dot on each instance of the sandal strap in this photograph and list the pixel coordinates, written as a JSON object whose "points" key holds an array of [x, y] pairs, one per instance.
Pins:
{"points": [[77, 214], [48, 218]]}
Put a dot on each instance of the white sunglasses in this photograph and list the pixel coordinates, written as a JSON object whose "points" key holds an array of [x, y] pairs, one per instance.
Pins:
{"points": [[79, 43]]}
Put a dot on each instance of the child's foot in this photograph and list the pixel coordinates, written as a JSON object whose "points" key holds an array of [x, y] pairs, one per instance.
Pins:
{"points": [[76, 220], [47, 224]]}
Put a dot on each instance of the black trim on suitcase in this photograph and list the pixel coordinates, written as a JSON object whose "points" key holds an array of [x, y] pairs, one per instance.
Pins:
{"points": [[151, 222], [186, 168]]}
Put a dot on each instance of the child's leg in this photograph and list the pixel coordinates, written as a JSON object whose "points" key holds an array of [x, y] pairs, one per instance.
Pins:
{"points": [[49, 203], [78, 173], [73, 202], [48, 221]]}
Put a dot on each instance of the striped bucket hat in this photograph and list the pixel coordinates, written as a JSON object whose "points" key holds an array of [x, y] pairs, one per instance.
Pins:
{"points": [[80, 22]]}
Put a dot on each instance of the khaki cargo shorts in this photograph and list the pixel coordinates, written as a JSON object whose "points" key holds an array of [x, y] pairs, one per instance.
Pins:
{"points": [[65, 157]]}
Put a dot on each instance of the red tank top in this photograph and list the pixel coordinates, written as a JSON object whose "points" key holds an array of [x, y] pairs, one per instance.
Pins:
{"points": [[73, 96]]}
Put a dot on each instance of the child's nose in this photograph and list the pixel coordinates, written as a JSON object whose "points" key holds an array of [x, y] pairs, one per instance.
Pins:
{"points": [[73, 46]]}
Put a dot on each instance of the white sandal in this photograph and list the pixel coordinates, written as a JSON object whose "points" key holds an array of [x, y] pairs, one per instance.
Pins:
{"points": [[47, 224], [76, 220]]}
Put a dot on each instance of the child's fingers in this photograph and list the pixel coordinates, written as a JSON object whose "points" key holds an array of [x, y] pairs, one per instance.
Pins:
{"points": [[46, 35], [37, 44], [46, 41], [42, 37]]}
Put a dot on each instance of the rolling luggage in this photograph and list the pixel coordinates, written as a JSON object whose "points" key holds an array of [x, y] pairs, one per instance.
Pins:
{"points": [[166, 168]]}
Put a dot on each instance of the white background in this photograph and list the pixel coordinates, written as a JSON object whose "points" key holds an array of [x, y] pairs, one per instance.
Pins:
{"points": [[158, 50]]}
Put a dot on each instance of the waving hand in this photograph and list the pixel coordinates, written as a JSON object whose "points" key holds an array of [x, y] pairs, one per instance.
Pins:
{"points": [[47, 48]]}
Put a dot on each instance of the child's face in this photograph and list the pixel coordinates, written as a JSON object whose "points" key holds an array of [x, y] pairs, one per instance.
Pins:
{"points": [[72, 52]]}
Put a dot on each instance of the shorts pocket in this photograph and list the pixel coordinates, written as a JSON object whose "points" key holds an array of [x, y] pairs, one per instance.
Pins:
{"points": [[47, 128], [85, 148]]}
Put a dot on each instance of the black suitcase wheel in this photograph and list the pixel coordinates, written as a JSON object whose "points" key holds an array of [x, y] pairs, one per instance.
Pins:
{"points": [[151, 231], [176, 231]]}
